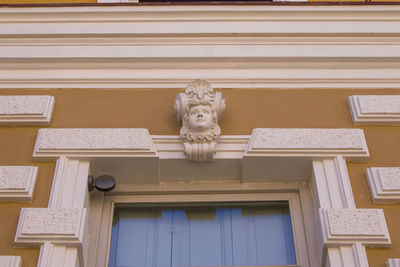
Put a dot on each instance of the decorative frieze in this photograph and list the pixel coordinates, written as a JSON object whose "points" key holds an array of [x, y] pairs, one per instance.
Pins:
{"points": [[10, 261], [375, 109], [348, 226], [384, 184], [38, 225], [291, 141], [94, 141], [17, 182], [26, 110], [393, 263]]}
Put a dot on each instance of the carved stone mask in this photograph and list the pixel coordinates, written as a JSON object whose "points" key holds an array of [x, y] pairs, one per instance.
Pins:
{"points": [[199, 110]]}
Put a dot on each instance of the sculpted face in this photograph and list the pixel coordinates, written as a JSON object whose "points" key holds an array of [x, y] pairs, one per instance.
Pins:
{"points": [[200, 118]]}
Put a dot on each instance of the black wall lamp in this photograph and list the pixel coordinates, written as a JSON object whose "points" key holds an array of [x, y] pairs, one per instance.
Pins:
{"points": [[103, 183]]}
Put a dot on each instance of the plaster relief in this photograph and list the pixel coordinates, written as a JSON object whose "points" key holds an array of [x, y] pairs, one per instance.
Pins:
{"points": [[199, 110], [17, 182], [26, 110]]}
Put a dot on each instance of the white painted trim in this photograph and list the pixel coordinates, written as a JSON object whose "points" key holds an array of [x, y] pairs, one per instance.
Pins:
{"points": [[332, 190], [17, 183], [10, 261], [26, 109], [346, 256], [260, 194], [384, 184], [393, 263], [246, 46], [375, 109], [330, 181]]}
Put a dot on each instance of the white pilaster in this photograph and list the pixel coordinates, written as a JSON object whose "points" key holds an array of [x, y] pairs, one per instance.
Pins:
{"points": [[61, 229], [333, 196]]}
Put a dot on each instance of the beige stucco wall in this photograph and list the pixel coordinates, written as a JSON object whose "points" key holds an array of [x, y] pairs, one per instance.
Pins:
{"points": [[153, 109]]}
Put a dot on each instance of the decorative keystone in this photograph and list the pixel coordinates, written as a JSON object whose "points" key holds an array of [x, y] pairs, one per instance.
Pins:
{"points": [[199, 110]]}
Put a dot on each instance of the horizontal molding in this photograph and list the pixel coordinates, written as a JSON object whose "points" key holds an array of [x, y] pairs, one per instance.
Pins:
{"points": [[59, 226], [303, 142], [26, 110], [17, 183], [137, 142], [384, 184], [10, 261], [393, 263], [242, 78], [242, 13], [375, 109], [94, 142], [244, 43], [349, 226]]}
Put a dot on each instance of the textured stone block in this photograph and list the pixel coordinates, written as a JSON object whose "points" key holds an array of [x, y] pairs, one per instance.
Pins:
{"points": [[375, 109], [26, 110], [17, 182]]}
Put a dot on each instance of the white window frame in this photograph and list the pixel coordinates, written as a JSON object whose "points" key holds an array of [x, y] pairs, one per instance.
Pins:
{"points": [[290, 162], [257, 192]]}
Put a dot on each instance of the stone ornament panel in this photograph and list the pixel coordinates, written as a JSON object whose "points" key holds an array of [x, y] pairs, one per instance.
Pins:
{"points": [[94, 141], [26, 110], [17, 182], [384, 184], [61, 226], [375, 109], [393, 263], [347, 226], [307, 141], [10, 261]]}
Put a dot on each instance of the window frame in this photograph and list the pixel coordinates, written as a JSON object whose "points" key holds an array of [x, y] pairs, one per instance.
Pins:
{"points": [[297, 195]]}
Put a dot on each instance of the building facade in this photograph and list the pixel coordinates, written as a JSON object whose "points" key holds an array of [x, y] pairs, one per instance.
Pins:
{"points": [[312, 114]]}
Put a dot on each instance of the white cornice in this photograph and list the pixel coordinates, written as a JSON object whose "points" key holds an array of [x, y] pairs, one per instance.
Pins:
{"points": [[246, 46]]}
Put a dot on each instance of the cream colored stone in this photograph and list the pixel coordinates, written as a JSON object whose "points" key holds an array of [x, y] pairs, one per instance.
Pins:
{"points": [[17, 182], [26, 110], [199, 110]]}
